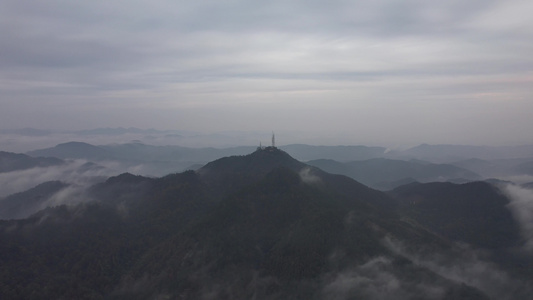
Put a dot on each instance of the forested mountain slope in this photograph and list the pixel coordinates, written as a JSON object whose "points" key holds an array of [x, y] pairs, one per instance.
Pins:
{"points": [[262, 226]]}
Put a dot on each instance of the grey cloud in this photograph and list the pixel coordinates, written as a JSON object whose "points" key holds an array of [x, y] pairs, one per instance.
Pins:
{"points": [[76, 173], [126, 64], [376, 279], [521, 206], [70, 195], [465, 265], [80, 36], [307, 176], [18, 181]]}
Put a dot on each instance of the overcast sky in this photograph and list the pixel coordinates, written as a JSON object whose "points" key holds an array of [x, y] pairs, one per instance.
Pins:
{"points": [[375, 72]]}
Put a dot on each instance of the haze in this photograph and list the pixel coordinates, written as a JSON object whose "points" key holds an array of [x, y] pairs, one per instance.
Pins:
{"points": [[336, 72]]}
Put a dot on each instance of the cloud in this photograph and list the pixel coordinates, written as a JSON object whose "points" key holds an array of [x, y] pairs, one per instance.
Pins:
{"points": [[465, 265], [307, 176], [521, 205], [79, 176], [210, 65], [377, 279], [70, 195], [517, 179], [18, 181]]}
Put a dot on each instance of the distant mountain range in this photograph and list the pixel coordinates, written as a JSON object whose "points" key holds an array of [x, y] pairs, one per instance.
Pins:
{"points": [[451, 153], [434, 153], [75, 150], [161, 160], [267, 226], [143, 152], [96, 131], [374, 166], [385, 174]]}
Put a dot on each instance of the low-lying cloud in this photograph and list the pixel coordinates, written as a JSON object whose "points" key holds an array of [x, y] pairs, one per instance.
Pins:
{"points": [[465, 266], [78, 175], [72, 172], [72, 194], [307, 176], [377, 279], [521, 206]]}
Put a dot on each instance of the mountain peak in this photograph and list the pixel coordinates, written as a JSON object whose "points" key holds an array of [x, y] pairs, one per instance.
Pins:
{"points": [[232, 172], [271, 151], [74, 150], [261, 161]]}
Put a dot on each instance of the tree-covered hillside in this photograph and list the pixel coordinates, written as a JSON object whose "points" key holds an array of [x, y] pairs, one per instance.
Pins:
{"points": [[259, 226]]}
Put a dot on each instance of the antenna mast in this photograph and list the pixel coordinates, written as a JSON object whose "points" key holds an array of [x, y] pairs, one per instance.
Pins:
{"points": [[273, 140]]}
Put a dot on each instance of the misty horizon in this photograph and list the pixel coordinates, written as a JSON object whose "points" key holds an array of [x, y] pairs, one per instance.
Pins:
{"points": [[371, 73], [28, 139]]}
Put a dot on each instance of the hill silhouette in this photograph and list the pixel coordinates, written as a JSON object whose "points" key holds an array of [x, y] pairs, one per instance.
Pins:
{"points": [[14, 161], [74, 150], [262, 226], [22, 205]]}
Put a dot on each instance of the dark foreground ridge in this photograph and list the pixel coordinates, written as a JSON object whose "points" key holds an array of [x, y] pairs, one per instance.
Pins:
{"points": [[259, 226]]}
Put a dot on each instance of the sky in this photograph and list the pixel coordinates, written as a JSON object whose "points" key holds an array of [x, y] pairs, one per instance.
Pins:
{"points": [[373, 72]]}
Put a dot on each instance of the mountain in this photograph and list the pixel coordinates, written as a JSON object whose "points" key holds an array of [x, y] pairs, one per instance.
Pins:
{"points": [[384, 173], [74, 150], [118, 131], [448, 153], [13, 162], [503, 168], [137, 151], [381, 170], [147, 159], [525, 168], [21, 205], [451, 153], [274, 240], [474, 212], [484, 167], [340, 153], [149, 153], [238, 171], [162, 160], [256, 226]]}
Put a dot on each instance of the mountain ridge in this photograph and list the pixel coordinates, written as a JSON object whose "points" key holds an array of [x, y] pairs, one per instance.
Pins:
{"points": [[261, 225], [10, 161]]}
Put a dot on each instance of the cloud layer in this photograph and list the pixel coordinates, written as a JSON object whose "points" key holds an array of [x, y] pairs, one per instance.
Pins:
{"points": [[71, 172], [375, 71]]}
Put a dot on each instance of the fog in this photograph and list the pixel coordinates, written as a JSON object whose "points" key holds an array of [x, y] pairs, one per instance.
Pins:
{"points": [[70, 172], [466, 265], [377, 279], [307, 176], [522, 208]]}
